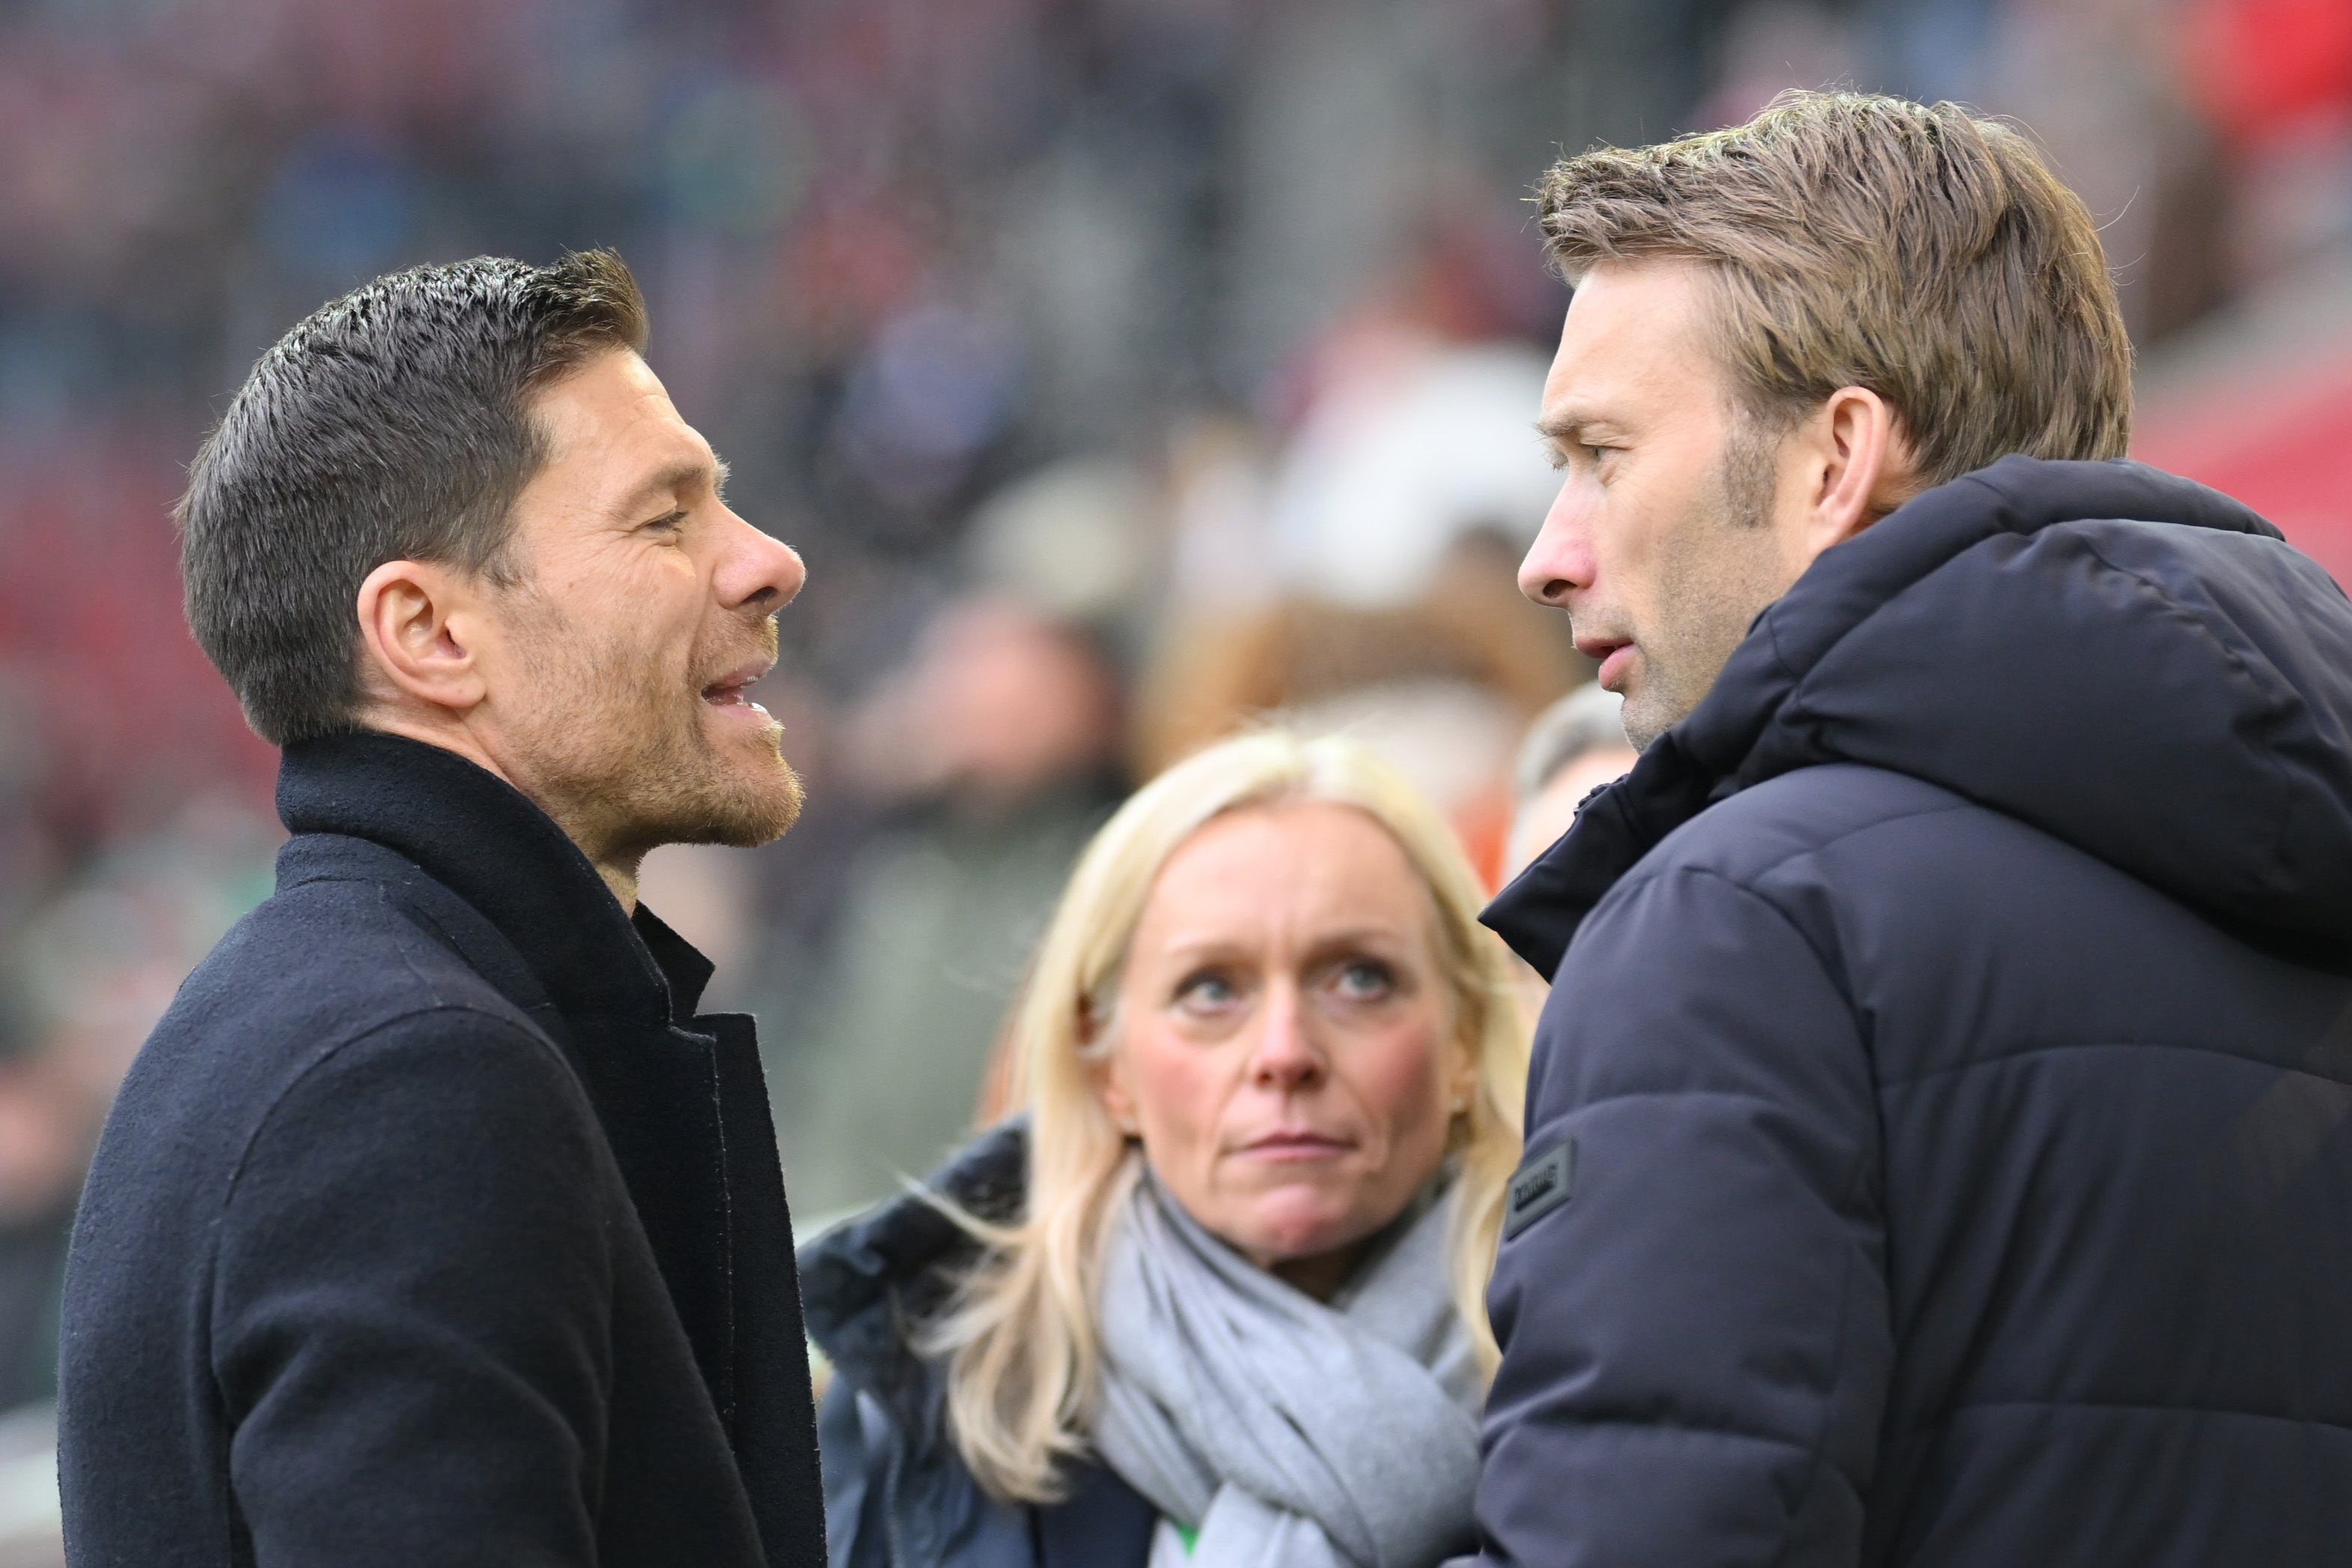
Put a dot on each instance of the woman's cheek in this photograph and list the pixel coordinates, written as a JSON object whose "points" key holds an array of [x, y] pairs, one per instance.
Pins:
{"points": [[1176, 1083], [1397, 1078]]}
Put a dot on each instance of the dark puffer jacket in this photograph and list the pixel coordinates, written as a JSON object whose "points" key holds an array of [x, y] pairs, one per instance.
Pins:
{"points": [[1956, 1051], [896, 1493]]}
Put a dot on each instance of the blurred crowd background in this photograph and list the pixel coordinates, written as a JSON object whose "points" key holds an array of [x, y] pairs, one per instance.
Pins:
{"points": [[1123, 368]]}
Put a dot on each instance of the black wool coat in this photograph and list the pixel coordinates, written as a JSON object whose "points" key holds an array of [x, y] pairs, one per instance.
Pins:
{"points": [[430, 1226], [896, 1493], [1939, 1139]]}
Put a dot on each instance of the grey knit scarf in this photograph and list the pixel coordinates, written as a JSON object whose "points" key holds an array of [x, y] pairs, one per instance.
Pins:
{"points": [[1290, 1434]]}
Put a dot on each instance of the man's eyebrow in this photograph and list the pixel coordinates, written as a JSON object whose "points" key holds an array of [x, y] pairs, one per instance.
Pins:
{"points": [[674, 477], [1568, 426]]}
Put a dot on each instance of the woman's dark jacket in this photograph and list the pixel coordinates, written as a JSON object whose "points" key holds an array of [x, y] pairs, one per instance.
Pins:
{"points": [[896, 1493], [1952, 1069], [431, 1226]]}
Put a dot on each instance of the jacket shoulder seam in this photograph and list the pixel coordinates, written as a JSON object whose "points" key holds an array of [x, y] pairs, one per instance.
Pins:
{"points": [[327, 1054], [1747, 881], [339, 1048], [1956, 804], [1834, 973]]}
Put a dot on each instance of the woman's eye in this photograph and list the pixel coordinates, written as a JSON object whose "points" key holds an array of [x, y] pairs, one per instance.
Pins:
{"points": [[1366, 980], [1202, 991]]}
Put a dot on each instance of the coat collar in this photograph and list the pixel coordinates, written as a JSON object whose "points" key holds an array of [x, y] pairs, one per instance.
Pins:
{"points": [[482, 839]]}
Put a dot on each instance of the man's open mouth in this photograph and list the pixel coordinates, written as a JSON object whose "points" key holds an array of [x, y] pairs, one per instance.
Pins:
{"points": [[733, 688]]}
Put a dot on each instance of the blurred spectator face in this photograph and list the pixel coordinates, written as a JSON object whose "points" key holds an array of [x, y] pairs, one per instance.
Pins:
{"points": [[1015, 702], [610, 683], [1283, 1043], [1000, 705], [1666, 539], [45, 1132]]}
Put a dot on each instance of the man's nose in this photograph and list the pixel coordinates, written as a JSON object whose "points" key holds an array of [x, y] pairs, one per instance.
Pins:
{"points": [[1287, 1056], [1560, 563], [760, 570]]}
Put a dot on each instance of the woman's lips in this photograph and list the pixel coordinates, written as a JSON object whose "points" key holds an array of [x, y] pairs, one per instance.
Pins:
{"points": [[1291, 1145]]}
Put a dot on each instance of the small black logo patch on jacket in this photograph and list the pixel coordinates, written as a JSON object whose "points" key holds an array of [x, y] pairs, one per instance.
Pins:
{"points": [[1540, 1186]]}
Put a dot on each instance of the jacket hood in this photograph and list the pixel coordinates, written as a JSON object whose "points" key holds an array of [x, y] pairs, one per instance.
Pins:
{"points": [[866, 1283], [2127, 661]]}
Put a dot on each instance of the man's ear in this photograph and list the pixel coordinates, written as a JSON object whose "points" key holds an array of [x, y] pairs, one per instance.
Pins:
{"points": [[1861, 469], [416, 625]]}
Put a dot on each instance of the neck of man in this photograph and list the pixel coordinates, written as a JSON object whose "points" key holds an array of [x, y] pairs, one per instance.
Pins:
{"points": [[617, 865], [620, 877]]}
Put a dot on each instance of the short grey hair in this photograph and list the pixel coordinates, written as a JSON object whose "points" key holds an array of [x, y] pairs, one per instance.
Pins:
{"points": [[1588, 719]]}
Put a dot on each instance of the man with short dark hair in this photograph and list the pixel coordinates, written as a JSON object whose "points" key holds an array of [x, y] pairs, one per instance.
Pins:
{"points": [[432, 1224], [1939, 1135]]}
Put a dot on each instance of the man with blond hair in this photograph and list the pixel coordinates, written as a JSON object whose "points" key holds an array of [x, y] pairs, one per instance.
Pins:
{"points": [[1939, 1139]]}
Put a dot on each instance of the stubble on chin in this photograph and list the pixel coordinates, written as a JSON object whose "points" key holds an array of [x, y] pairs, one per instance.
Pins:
{"points": [[745, 806], [1645, 716], [684, 787], [629, 762]]}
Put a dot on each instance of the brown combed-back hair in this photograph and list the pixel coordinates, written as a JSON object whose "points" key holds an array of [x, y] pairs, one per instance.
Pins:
{"points": [[1921, 252]]}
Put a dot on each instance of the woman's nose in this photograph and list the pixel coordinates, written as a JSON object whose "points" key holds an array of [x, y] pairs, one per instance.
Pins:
{"points": [[1285, 1056]]}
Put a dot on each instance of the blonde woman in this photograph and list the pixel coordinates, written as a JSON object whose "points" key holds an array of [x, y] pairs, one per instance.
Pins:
{"points": [[1215, 1296]]}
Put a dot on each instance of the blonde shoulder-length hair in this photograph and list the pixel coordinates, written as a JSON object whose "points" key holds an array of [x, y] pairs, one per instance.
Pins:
{"points": [[1018, 1337]]}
